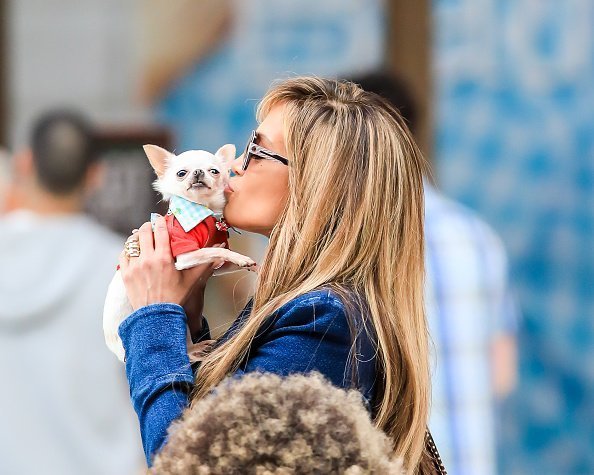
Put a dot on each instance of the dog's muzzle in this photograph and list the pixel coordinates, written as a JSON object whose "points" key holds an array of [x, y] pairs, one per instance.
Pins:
{"points": [[198, 178]]}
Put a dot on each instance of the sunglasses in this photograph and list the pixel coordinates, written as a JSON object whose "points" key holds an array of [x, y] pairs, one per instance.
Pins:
{"points": [[252, 149]]}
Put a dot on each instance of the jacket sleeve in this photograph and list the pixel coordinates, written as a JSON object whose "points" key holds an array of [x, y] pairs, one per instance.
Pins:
{"points": [[307, 334], [158, 369]]}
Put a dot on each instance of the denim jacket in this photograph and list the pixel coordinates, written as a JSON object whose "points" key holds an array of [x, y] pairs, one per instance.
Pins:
{"points": [[309, 333]]}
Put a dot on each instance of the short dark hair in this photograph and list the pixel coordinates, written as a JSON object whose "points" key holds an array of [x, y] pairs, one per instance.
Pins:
{"points": [[63, 145], [394, 90]]}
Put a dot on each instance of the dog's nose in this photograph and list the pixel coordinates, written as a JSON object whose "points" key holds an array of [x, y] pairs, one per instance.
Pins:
{"points": [[199, 174]]}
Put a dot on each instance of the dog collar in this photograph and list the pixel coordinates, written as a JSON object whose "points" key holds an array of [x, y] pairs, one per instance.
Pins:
{"points": [[188, 213]]}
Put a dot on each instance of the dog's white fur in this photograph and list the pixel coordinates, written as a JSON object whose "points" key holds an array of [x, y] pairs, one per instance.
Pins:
{"points": [[203, 182]]}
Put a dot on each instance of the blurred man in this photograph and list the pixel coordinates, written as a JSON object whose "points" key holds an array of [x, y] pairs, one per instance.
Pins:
{"points": [[64, 398], [472, 318]]}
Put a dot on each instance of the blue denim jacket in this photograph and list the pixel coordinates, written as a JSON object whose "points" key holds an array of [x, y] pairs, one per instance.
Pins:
{"points": [[309, 333]]}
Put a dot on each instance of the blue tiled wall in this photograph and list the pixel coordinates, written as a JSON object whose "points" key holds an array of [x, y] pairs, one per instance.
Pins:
{"points": [[515, 141], [215, 103]]}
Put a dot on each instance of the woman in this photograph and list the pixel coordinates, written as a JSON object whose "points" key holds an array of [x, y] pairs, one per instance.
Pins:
{"points": [[335, 182]]}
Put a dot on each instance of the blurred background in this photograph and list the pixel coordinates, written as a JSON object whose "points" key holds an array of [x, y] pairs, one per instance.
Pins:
{"points": [[504, 91]]}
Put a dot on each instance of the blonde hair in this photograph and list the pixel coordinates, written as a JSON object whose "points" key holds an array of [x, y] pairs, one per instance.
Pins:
{"points": [[263, 423], [353, 223]]}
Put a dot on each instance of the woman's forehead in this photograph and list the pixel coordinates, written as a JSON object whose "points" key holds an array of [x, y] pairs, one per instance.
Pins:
{"points": [[271, 129]]}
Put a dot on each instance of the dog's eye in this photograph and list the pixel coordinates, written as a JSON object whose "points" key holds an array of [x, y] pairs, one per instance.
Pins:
{"points": [[182, 173], [214, 171]]}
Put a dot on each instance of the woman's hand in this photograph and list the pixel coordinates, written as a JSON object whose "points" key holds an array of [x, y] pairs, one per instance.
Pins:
{"points": [[153, 278]]}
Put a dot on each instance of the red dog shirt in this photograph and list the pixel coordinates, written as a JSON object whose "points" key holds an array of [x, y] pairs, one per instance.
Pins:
{"points": [[204, 234]]}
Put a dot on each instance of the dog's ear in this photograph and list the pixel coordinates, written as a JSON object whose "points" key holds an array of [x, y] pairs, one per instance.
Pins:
{"points": [[226, 153], [158, 157]]}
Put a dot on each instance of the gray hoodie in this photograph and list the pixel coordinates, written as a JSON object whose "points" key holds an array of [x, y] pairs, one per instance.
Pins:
{"points": [[64, 405]]}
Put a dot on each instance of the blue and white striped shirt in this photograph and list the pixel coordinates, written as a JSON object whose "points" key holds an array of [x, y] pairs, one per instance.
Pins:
{"points": [[468, 304]]}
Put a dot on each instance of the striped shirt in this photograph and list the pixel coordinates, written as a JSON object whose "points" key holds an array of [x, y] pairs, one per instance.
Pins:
{"points": [[468, 304]]}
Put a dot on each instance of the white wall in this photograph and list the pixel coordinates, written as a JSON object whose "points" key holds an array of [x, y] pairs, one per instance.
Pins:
{"points": [[80, 53]]}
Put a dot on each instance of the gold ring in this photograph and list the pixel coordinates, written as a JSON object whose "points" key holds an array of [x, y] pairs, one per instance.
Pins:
{"points": [[133, 253], [132, 248], [132, 245]]}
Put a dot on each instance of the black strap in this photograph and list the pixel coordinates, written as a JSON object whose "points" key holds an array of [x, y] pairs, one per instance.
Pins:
{"points": [[435, 458]]}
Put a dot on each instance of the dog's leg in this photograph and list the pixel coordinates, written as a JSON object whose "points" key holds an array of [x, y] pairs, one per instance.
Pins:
{"points": [[229, 267], [212, 254], [116, 309]]}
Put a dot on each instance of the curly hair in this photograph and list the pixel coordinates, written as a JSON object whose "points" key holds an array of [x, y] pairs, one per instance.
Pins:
{"points": [[265, 424]]}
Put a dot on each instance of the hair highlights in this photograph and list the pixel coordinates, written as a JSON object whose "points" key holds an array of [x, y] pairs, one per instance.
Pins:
{"points": [[353, 223]]}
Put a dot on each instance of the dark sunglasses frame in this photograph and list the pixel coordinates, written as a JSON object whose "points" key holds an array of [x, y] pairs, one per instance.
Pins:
{"points": [[253, 149]]}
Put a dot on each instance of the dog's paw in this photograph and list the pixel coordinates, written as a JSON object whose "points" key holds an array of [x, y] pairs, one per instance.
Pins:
{"points": [[244, 262], [181, 265]]}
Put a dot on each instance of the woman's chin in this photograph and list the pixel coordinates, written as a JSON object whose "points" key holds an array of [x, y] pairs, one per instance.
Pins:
{"points": [[231, 219], [242, 225]]}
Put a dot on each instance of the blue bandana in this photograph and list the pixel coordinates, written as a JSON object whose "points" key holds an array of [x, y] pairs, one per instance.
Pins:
{"points": [[188, 213]]}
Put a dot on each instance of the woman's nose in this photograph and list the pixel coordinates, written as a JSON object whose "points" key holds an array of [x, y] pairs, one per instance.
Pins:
{"points": [[236, 166]]}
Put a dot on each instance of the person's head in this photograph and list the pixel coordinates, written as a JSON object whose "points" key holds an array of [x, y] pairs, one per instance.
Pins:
{"points": [[258, 194], [61, 154], [392, 88], [346, 213], [263, 423]]}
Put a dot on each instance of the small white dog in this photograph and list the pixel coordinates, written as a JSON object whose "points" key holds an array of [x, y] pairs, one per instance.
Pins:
{"points": [[193, 183]]}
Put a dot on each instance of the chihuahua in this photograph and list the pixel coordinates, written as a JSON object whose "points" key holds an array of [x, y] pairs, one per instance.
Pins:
{"points": [[193, 183]]}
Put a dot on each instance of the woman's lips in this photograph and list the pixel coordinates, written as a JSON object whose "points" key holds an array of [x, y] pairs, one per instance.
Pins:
{"points": [[228, 188]]}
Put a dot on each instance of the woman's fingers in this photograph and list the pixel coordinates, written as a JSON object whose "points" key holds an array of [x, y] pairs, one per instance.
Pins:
{"points": [[123, 261], [145, 237], [161, 234]]}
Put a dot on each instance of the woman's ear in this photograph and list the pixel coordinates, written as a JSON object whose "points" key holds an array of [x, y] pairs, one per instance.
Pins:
{"points": [[158, 157], [227, 154]]}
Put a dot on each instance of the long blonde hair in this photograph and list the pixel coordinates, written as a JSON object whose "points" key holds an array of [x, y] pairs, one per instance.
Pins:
{"points": [[353, 222]]}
